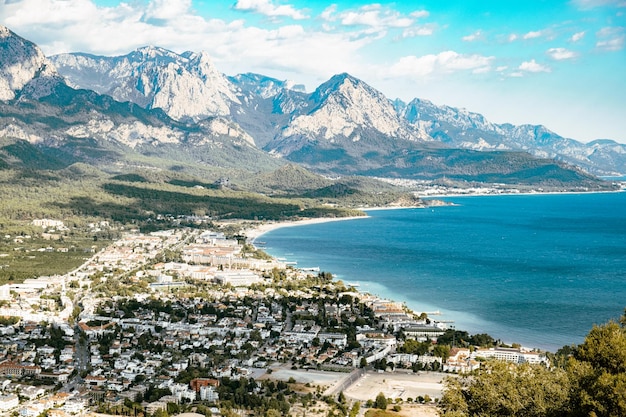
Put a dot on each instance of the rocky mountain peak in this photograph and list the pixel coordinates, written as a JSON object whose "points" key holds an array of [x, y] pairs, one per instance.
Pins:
{"points": [[345, 105], [24, 69], [342, 83], [186, 86], [264, 86]]}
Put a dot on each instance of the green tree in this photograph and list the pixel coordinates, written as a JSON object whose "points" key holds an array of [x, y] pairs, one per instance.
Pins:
{"points": [[363, 362], [381, 401], [442, 351], [414, 347], [591, 384], [354, 411], [598, 372], [505, 389]]}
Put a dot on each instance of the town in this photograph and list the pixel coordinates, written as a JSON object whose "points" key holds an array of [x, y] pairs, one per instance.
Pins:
{"points": [[194, 320]]}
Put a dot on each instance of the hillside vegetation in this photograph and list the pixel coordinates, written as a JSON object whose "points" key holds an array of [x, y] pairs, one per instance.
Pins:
{"points": [[587, 380]]}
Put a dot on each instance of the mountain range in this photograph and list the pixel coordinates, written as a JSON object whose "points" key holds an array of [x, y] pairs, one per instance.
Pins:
{"points": [[154, 108]]}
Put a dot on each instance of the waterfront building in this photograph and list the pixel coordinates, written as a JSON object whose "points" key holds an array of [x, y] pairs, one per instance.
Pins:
{"points": [[511, 355]]}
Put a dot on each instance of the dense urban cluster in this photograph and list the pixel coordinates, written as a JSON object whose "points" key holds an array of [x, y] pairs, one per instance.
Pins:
{"points": [[190, 319]]}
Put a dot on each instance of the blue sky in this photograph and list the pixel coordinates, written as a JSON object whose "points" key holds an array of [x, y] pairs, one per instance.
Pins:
{"points": [[557, 63]]}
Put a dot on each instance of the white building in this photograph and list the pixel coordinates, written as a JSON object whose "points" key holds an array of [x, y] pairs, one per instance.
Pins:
{"points": [[75, 406], [337, 339], [45, 223], [240, 278], [511, 355], [5, 292], [423, 332], [8, 402], [207, 393]]}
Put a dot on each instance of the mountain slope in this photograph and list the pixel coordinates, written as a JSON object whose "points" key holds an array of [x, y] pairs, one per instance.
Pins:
{"points": [[68, 125], [180, 113], [460, 128], [342, 116], [266, 105], [344, 109]]}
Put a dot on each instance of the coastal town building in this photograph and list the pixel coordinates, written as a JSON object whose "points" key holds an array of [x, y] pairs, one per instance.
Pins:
{"points": [[423, 332], [515, 355], [9, 402]]}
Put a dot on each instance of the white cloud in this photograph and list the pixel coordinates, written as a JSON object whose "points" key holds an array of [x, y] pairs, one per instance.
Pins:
{"points": [[533, 66], [17, 14], [327, 14], [590, 4], [577, 36], [473, 37], [418, 14], [375, 16], [425, 30], [611, 39], [167, 9], [378, 17], [614, 44], [267, 8], [444, 62], [481, 70], [512, 37], [560, 54], [290, 51], [533, 34], [609, 31]]}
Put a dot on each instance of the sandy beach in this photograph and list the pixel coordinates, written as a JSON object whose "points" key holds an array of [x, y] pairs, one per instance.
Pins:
{"points": [[256, 231]]}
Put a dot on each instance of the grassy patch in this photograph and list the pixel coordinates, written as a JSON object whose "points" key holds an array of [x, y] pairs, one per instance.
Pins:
{"points": [[380, 413], [25, 256]]}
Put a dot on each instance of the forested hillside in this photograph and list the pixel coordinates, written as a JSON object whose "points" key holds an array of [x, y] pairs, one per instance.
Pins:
{"points": [[585, 380]]}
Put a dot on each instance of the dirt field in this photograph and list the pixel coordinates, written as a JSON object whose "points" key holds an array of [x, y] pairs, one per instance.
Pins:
{"points": [[313, 377], [397, 385], [411, 410]]}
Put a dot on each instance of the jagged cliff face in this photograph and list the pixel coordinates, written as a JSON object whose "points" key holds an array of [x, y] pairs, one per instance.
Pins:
{"points": [[186, 86], [24, 70]]}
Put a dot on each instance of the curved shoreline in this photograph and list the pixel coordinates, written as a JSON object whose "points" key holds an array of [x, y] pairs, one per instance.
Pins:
{"points": [[259, 230], [465, 321]]}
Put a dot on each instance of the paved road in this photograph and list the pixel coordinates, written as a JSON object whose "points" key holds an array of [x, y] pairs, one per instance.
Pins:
{"points": [[346, 382]]}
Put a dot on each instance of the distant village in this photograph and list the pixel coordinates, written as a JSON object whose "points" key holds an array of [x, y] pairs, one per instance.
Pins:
{"points": [[158, 321]]}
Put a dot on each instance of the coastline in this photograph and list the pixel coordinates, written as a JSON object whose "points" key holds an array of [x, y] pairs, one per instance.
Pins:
{"points": [[543, 193], [375, 289], [461, 317], [465, 319], [369, 288], [258, 230]]}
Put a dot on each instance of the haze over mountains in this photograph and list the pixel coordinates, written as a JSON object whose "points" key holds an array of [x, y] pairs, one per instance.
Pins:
{"points": [[154, 107]]}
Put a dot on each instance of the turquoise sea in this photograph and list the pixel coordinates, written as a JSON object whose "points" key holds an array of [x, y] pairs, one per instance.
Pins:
{"points": [[538, 270]]}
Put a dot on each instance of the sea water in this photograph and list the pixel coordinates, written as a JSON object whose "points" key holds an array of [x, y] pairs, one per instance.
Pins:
{"points": [[539, 270]]}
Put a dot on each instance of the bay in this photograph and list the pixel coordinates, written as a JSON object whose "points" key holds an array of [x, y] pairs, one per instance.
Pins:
{"points": [[538, 270]]}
